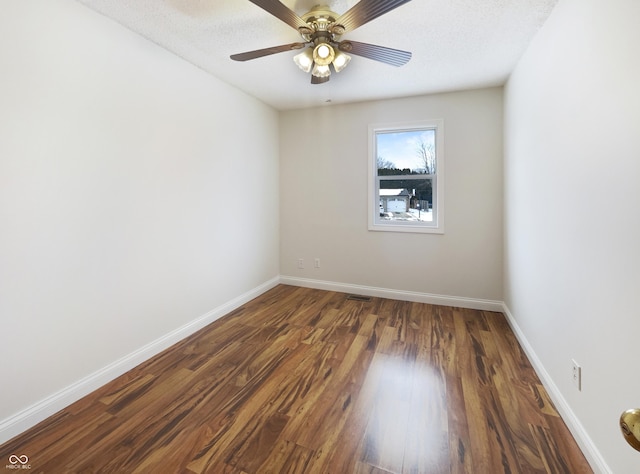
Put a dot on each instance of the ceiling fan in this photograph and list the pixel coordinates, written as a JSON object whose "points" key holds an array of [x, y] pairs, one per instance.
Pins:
{"points": [[321, 30]]}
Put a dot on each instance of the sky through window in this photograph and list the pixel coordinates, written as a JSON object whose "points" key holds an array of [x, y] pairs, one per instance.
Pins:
{"points": [[401, 147]]}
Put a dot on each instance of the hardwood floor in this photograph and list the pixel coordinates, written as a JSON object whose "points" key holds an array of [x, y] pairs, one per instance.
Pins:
{"points": [[309, 381]]}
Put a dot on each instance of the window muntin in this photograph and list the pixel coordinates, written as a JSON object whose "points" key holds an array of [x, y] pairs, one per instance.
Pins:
{"points": [[406, 177]]}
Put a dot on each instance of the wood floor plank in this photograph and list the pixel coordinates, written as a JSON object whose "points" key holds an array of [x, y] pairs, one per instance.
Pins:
{"points": [[282, 458], [318, 416], [342, 456], [308, 381], [428, 422]]}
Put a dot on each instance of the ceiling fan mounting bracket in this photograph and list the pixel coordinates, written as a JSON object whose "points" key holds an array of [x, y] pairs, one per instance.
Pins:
{"points": [[320, 13], [321, 22]]}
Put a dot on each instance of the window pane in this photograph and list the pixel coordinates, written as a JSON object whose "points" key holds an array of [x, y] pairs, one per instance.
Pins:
{"points": [[406, 152], [406, 199]]}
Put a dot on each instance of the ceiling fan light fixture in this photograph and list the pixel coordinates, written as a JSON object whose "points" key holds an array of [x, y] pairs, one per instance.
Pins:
{"points": [[320, 70], [341, 60], [304, 60], [323, 54]]}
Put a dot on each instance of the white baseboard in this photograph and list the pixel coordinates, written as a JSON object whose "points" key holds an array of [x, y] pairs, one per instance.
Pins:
{"points": [[30, 416], [457, 301], [595, 459]]}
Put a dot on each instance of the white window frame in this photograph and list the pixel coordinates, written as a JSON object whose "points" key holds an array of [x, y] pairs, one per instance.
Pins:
{"points": [[374, 221]]}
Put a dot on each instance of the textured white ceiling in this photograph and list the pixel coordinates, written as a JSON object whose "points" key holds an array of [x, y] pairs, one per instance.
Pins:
{"points": [[456, 44]]}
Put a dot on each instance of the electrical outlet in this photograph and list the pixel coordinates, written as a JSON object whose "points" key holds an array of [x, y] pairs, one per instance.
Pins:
{"points": [[316, 263], [576, 374], [301, 263]]}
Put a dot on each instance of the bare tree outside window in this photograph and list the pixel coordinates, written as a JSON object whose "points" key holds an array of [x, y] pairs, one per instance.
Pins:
{"points": [[384, 164], [427, 156]]}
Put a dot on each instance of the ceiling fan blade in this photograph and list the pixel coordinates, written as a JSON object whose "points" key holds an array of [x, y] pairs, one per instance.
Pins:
{"points": [[282, 12], [319, 80], [258, 53], [394, 57], [366, 10]]}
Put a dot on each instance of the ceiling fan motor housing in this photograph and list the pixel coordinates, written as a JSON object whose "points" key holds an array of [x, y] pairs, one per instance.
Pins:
{"points": [[321, 25]]}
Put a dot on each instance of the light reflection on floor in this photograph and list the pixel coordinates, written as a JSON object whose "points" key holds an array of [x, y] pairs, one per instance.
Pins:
{"points": [[407, 421]]}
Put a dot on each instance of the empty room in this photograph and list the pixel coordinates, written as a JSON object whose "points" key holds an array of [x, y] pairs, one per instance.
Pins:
{"points": [[378, 236]]}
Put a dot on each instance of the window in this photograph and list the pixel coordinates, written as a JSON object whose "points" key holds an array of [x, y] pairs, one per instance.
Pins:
{"points": [[406, 177]]}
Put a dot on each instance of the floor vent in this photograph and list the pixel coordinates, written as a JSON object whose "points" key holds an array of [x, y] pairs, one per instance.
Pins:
{"points": [[358, 298]]}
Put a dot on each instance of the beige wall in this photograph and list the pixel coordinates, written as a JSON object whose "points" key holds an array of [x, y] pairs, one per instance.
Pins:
{"points": [[572, 254], [131, 200], [323, 166]]}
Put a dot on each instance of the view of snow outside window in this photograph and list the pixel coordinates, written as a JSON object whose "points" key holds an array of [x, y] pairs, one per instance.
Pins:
{"points": [[406, 168]]}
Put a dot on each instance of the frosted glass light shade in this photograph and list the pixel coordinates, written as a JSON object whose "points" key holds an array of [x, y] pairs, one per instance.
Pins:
{"points": [[304, 60], [321, 71], [323, 54], [341, 60]]}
